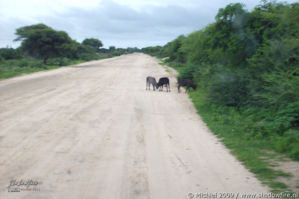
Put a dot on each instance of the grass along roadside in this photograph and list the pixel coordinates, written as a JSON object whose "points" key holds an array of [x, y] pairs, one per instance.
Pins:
{"points": [[12, 68], [15, 67], [228, 125], [255, 152]]}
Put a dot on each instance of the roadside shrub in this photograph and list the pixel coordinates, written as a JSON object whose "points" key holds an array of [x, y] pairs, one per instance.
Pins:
{"points": [[188, 72], [61, 61], [288, 143], [228, 89], [10, 53]]}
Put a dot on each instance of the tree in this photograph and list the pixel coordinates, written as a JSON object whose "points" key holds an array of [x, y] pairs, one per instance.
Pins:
{"points": [[153, 50], [86, 52], [133, 50], [44, 42], [111, 48], [24, 32], [95, 43], [173, 51], [230, 13]]}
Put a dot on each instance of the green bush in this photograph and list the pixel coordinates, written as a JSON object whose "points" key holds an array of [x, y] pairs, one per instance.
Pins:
{"points": [[9, 53], [228, 89], [246, 65], [61, 61]]}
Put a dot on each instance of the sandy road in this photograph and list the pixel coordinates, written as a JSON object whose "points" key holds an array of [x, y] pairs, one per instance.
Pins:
{"points": [[93, 131]]}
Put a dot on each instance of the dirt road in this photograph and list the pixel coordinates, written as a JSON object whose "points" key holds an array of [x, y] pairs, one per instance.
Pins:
{"points": [[93, 131]]}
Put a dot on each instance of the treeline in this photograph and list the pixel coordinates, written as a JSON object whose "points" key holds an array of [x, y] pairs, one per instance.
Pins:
{"points": [[246, 63], [42, 48]]}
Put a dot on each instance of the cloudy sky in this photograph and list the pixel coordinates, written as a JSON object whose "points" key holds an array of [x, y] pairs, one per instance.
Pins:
{"points": [[121, 23]]}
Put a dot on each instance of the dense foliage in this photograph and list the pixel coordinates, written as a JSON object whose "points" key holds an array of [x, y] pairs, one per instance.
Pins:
{"points": [[95, 43], [9, 53], [247, 61], [43, 48], [41, 41]]}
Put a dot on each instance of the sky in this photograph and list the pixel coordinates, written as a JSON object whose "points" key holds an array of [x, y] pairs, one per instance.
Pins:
{"points": [[120, 23]]}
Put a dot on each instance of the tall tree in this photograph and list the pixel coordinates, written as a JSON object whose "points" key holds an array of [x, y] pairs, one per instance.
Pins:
{"points": [[94, 43], [44, 42]]}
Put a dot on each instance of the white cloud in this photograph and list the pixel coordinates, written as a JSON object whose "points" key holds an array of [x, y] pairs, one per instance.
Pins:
{"points": [[121, 23]]}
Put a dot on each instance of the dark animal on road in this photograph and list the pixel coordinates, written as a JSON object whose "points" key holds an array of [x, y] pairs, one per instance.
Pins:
{"points": [[163, 81], [186, 82], [151, 81]]}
